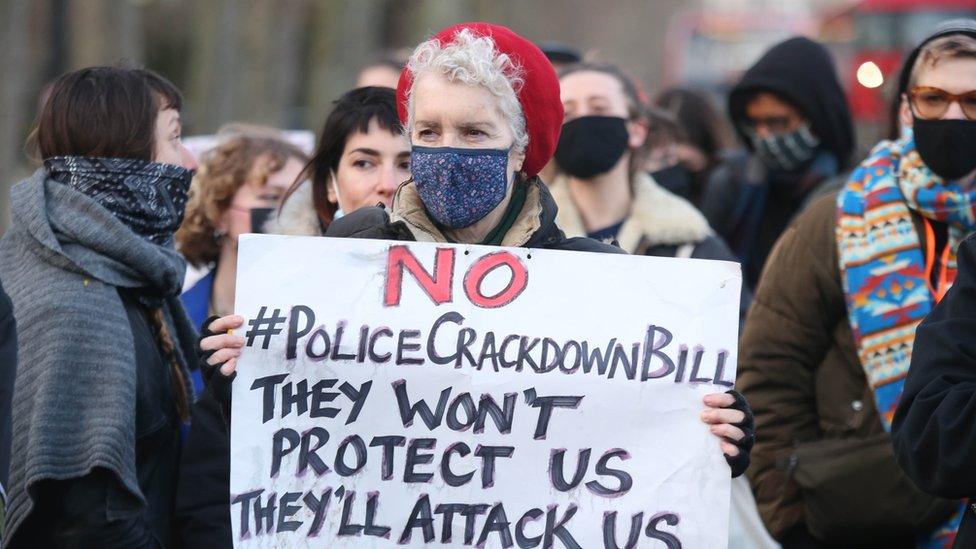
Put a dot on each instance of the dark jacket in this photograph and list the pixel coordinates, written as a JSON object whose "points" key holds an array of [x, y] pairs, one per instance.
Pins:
{"points": [[822, 463], [94, 511], [202, 503], [660, 224], [8, 369], [749, 205], [934, 429]]}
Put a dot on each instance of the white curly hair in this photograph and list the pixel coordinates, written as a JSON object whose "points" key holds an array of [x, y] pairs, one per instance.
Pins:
{"points": [[473, 60]]}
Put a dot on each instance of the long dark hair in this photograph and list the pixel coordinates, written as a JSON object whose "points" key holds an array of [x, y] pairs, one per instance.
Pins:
{"points": [[103, 111], [352, 112]]}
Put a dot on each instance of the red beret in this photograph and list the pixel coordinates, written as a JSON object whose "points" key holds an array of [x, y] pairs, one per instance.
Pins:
{"points": [[539, 95]]}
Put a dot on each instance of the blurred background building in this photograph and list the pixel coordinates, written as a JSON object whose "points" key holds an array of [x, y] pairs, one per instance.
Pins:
{"points": [[282, 62]]}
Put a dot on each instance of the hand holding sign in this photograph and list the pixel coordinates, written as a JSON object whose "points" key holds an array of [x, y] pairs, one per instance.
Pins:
{"points": [[226, 347], [421, 394], [723, 421]]}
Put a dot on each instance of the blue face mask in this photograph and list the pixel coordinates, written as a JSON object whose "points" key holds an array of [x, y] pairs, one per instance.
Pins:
{"points": [[459, 187]]}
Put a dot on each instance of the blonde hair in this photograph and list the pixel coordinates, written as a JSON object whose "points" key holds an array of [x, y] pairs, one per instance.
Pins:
{"points": [[474, 60], [953, 46], [223, 170]]}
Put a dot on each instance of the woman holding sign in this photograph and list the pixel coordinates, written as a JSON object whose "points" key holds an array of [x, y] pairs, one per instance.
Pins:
{"points": [[481, 107]]}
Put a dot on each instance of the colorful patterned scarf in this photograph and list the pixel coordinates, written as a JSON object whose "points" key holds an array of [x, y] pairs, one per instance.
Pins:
{"points": [[883, 268]]}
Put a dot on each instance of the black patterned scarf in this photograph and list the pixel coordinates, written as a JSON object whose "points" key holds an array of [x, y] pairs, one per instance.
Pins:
{"points": [[147, 196]]}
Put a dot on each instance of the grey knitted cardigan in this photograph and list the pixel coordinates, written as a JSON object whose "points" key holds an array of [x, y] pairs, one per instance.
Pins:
{"points": [[62, 262]]}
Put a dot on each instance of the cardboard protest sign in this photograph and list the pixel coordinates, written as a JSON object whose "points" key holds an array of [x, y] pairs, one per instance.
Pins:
{"points": [[418, 394]]}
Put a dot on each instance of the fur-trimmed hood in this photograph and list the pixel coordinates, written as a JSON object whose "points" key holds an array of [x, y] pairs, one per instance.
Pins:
{"points": [[657, 217], [297, 215]]}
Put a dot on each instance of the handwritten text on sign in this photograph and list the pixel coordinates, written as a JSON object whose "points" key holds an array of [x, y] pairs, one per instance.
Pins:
{"points": [[417, 394]]}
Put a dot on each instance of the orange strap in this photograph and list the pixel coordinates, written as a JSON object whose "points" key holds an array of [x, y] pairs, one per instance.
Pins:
{"points": [[939, 291]]}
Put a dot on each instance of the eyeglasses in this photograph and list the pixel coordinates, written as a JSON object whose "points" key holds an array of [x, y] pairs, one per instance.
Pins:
{"points": [[931, 103]]}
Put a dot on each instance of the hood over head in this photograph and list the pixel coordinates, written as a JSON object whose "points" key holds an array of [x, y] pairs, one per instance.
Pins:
{"points": [[801, 72]]}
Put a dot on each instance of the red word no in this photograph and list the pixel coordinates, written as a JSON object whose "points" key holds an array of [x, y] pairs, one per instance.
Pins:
{"points": [[438, 284]]}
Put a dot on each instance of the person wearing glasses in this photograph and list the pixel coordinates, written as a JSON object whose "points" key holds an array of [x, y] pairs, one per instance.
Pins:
{"points": [[791, 114], [829, 340], [933, 428]]}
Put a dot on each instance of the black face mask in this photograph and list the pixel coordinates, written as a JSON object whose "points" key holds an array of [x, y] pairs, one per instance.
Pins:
{"points": [[948, 147], [674, 178], [259, 216], [591, 145]]}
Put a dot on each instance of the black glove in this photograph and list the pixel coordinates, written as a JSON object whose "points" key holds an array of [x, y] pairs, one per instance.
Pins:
{"points": [[740, 463], [370, 223], [217, 384]]}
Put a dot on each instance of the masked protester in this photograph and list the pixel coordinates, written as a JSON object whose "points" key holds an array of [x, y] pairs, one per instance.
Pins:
{"points": [[791, 113], [471, 130], [237, 186], [602, 193], [234, 192], [102, 387], [360, 160], [933, 425], [827, 346], [698, 143]]}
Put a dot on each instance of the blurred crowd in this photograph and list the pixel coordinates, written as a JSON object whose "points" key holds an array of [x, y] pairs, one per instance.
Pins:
{"points": [[853, 422]]}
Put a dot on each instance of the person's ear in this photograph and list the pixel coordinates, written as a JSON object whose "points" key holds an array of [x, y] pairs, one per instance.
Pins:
{"points": [[516, 160], [905, 112], [637, 130], [330, 189]]}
